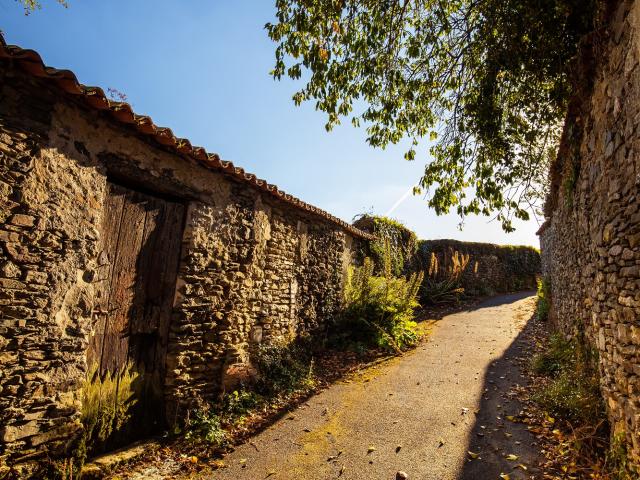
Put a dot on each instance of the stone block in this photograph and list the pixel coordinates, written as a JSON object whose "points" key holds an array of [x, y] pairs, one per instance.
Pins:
{"points": [[10, 270], [11, 284], [22, 220], [11, 433]]}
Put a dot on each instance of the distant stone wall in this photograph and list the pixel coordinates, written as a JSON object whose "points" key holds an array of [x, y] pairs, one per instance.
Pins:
{"points": [[491, 268], [591, 241], [253, 268]]}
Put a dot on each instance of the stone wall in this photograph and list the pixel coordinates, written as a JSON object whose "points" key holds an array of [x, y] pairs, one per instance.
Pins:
{"points": [[491, 268], [591, 240], [253, 268]]}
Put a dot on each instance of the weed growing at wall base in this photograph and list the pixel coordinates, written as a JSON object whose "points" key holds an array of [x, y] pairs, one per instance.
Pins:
{"points": [[573, 389], [283, 367], [107, 403], [544, 299], [617, 459], [568, 392], [204, 424]]}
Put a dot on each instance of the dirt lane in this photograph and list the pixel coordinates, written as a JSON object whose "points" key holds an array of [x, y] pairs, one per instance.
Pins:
{"points": [[420, 413]]}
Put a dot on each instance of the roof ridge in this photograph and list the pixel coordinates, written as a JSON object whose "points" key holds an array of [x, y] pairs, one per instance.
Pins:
{"points": [[31, 62]]}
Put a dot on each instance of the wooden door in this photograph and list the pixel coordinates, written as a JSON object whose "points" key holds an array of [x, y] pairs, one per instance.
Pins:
{"points": [[141, 243]]}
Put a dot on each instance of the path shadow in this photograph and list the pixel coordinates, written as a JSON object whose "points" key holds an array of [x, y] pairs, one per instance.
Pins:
{"points": [[502, 299], [497, 432], [438, 312]]}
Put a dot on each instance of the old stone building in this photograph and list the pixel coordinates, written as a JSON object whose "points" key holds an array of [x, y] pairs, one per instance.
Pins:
{"points": [[591, 240], [122, 245]]}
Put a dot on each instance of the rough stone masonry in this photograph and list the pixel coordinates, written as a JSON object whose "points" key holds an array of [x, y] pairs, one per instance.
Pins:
{"points": [[591, 240], [121, 244], [255, 265]]}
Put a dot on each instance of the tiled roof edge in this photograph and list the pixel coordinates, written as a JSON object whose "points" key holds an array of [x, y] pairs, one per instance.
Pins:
{"points": [[31, 62]]}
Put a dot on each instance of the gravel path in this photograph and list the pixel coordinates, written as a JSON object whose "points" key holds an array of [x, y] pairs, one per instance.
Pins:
{"points": [[420, 413]]}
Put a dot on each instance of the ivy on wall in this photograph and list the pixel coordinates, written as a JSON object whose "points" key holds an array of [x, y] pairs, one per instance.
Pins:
{"points": [[391, 234]]}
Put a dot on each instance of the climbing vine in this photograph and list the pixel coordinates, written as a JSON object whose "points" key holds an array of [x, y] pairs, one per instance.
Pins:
{"points": [[391, 235]]}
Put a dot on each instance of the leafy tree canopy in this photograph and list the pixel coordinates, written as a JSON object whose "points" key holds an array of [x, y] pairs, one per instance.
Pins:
{"points": [[486, 81], [31, 5]]}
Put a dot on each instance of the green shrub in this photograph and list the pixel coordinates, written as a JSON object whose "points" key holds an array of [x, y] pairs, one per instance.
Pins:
{"points": [[571, 393], [283, 368], [544, 299], [205, 424], [569, 183], [379, 311], [238, 403]]}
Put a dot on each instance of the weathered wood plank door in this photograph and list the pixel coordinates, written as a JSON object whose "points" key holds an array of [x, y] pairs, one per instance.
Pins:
{"points": [[141, 243]]}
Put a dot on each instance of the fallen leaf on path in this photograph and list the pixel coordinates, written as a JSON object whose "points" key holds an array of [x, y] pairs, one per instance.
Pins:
{"points": [[511, 457]]}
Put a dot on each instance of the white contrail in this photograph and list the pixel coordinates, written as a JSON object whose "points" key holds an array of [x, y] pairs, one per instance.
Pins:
{"points": [[399, 201]]}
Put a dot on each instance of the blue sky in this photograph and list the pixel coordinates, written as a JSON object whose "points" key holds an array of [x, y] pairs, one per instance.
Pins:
{"points": [[201, 68]]}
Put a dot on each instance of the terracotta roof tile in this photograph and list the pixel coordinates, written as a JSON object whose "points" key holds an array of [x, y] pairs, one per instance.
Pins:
{"points": [[31, 62]]}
